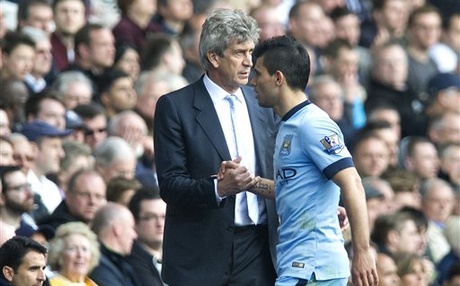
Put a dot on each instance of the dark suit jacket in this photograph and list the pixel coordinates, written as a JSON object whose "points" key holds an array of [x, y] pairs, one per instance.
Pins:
{"points": [[189, 148], [142, 263]]}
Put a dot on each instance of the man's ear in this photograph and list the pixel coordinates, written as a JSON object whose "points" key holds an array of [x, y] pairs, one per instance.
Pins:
{"points": [[8, 272], [213, 58], [280, 79]]}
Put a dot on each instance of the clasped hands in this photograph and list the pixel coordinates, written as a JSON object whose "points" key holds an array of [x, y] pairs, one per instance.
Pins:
{"points": [[234, 178]]}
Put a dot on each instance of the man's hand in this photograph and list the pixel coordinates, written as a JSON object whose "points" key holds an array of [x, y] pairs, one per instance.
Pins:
{"points": [[233, 178]]}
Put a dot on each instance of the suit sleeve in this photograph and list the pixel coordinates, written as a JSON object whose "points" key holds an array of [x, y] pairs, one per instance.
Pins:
{"points": [[183, 161]]}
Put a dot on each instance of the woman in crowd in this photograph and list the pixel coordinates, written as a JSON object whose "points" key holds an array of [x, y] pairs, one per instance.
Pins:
{"points": [[74, 252]]}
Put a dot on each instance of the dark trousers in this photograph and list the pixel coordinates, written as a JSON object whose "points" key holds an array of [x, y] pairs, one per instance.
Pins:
{"points": [[251, 263]]}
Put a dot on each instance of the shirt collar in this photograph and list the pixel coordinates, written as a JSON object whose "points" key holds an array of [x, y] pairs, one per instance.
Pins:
{"points": [[217, 93]]}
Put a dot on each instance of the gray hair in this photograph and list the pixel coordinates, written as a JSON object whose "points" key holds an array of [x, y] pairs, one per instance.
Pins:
{"points": [[319, 81], [73, 150], [64, 79], [37, 35], [57, 245], [221, 28], [115, 122], [111, 149]]}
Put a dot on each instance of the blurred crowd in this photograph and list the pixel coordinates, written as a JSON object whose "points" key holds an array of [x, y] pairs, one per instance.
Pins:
{"points": [[79, 81]]}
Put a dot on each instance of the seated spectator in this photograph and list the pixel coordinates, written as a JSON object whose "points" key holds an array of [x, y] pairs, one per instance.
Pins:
{"points": [[411, 269], [46, 141], [6, 151], [451, 259], [37, 80], [114, 226], [387, 270], [449, 156], [73, 88], [421, 158], [163, 54], [406, 188], [86, 194], [127, 59], [37, 14], [437, 205], [269, 22], [445, 52], [23, 262], [443, 94], [74, 252], [47, 107], [172, 16], [23, 153], [115, 157], [95, 122], [14, 95], [135, 25], [328, 95], [120, 190], [18, 53], [389, 114], [149, 212], [41, 234], [370, 155], [5, 126], [444, 128], [63, 37], [116, 92]]}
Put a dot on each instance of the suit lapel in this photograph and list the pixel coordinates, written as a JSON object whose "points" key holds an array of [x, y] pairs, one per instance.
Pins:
{"points": [[207, 118]]}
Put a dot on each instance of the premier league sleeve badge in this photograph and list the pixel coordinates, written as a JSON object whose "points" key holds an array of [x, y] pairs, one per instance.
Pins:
{"points": [[332, 144]]}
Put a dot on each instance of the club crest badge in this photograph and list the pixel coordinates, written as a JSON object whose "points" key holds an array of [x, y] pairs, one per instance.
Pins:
{"points": [[286, 146], [332, 144]]}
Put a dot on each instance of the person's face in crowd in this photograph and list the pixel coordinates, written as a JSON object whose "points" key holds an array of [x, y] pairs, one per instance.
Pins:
{"points": [[232, 69], [18, 196], [438, 203], [87, 198], [69, 16], [102, 48], [121, 95], [147, 100], [129, 63], [19, 62], [348, 28], [6, 153], [409, 199], [143, 7], [449, 129], [174, 58], [178, 10], [133, 129], [43, 58], [78, 163], [387, 203], [23, 155], [307, 25], [119, 167], [374, 210], [407, 239], [329, 98], [425, 31], [31, 272], [151, 222], [450, 163], [52, 112], [391, 67], [416, 277], [391, 116], [371, 157], [269, 23], [388, 135], [453, 33], [394, 15], [40, 16], [96, 130], [424, 162], [127, 233], [5, 129], [387, 271], [76, 257], [346, 64], [49, 155], [77, 93]]}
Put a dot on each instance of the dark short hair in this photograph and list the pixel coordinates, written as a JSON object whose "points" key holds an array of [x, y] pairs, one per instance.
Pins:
{"points": [[25, 5], [83, 35], [285, 54], [12, 40], [13, 251], [145, 193], [4, 171]]}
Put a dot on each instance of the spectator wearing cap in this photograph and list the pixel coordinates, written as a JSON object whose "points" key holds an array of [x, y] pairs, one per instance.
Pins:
{"points": [[41, 234], [117, 92], [47, 143], [444, 94]]}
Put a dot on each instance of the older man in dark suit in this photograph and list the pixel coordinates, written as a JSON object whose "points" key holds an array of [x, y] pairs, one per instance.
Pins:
{"points": [[217, 233]]}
